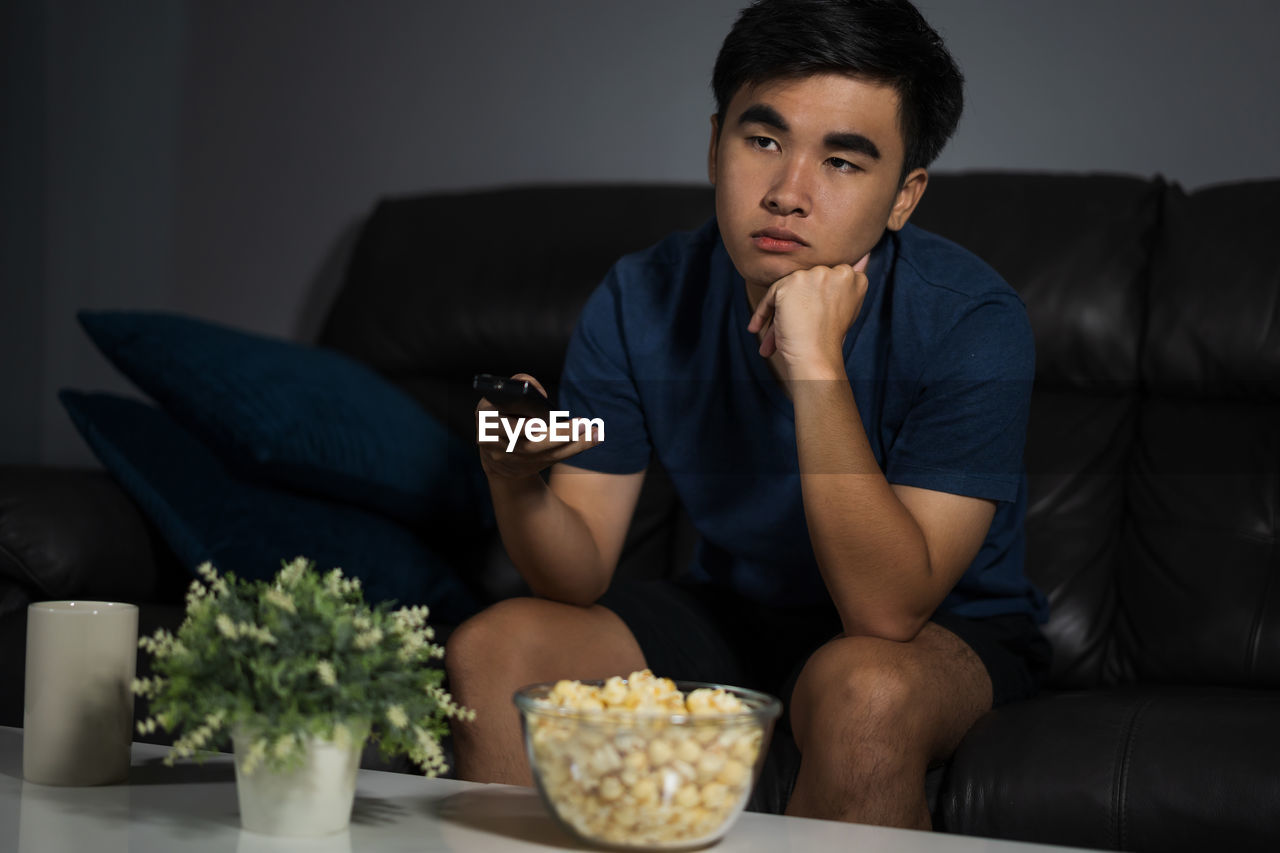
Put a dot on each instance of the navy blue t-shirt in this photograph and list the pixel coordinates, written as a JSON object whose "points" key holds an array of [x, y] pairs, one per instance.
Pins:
{"points": [[941, 361]]}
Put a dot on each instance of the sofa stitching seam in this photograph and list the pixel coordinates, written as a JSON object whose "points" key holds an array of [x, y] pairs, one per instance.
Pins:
{"points": [[1121, 782], [1115, 648], [1259, 618]]}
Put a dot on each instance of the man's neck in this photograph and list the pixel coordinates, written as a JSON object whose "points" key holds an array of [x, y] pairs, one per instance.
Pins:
{"points": [[755, 292]]}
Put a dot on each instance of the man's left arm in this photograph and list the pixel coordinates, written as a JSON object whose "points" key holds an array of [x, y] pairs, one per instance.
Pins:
{"points": [[889, 553]]}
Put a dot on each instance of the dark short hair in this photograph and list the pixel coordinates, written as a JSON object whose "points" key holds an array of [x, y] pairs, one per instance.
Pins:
{"points": [[887, 41]]}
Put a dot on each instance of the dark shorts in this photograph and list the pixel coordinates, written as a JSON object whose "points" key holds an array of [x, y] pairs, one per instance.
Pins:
{"points": [[699, 633]]}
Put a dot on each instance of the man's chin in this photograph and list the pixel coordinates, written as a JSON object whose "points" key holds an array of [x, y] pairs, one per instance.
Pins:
{"points": [[765, 268], [769, 270]]}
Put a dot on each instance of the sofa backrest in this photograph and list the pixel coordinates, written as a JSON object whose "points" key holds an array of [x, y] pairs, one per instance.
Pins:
{"points": [[1200, 589], [1076, 249], [441, 287], [1156, 322]]}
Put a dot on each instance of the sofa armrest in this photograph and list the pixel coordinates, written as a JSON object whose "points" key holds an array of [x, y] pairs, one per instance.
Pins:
{"points": [[72, 533], [1139, 767]]}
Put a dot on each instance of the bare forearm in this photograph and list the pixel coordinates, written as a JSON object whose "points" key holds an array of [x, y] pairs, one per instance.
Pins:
{"points": [[548, 541], [871, 552]]}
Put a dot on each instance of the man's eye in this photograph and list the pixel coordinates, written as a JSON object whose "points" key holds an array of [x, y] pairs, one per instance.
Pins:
{"points": [[763, 142], [843, 165]]}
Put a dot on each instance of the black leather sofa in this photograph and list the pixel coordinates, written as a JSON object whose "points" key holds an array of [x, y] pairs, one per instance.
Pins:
{"points": [[1153, 454]]}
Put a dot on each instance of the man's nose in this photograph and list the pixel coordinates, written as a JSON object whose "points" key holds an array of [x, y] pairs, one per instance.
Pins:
{"points": [[790, 192]]}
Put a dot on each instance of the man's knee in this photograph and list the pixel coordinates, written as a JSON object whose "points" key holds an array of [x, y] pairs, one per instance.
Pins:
{"points": [[531, 639], [854, 691], [492, 639]]}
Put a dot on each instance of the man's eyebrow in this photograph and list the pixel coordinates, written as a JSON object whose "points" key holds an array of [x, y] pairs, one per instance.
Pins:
{"points": [[763, 114], [855, 142], [843, 141]]}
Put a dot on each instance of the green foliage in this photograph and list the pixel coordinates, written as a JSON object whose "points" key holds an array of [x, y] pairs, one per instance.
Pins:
{"points": [[300, 656]]}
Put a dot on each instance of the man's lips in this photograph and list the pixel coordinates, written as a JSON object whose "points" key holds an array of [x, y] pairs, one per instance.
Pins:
{"points": [[777, 240]]}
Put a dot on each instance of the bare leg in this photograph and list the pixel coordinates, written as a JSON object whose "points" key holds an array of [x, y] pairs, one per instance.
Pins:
{"points": [[517, 642], [869, 715]]}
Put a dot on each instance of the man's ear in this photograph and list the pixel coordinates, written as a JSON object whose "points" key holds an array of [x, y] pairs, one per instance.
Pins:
{"points": [[909, 195], [711, 155]]}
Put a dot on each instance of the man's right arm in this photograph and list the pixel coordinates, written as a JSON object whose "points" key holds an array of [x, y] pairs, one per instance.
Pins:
{"points": [[565, 537]]}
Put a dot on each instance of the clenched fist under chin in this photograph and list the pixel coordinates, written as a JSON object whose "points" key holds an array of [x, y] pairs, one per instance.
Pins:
{"points": [[806, 314]]}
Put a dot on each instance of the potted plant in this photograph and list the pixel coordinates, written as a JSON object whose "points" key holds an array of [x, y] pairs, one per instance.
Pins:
{"points": [[299, 671]]}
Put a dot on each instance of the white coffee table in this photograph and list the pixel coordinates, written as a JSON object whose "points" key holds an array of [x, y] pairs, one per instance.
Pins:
{"points": [[193, 807]]}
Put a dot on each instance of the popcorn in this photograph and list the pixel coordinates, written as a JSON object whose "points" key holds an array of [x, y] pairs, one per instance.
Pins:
{"points": [[631, 775]]}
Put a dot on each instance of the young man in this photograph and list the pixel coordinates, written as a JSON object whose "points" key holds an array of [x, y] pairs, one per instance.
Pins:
{"points": [[841, 401]]}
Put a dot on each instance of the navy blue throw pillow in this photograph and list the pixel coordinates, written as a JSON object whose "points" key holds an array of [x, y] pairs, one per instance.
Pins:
{"points": [[288, 414], [204, 513]]}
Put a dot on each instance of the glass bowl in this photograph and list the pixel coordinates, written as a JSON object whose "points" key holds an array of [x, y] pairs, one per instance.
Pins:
{"points": [[646, 779]]}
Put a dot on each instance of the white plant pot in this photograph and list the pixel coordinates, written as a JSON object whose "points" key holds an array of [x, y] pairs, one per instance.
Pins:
{"points": [[314, 799]]}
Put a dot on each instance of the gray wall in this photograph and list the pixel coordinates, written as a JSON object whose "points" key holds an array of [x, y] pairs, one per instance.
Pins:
{"points": [[213, 157]]}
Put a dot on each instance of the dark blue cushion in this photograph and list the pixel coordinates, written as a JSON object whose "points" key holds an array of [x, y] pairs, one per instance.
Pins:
{"points": [[306, 417], [204, 513]]}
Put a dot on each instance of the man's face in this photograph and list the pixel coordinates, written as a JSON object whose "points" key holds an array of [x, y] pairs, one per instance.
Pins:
{"points": [[807, 173]]}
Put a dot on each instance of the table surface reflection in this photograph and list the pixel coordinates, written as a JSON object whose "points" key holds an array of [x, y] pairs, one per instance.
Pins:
{"points": [[192, 807]]}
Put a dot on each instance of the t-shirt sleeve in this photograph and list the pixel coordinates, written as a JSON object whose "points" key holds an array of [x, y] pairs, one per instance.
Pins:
{"points": [[966, 430], [597, 382]]}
